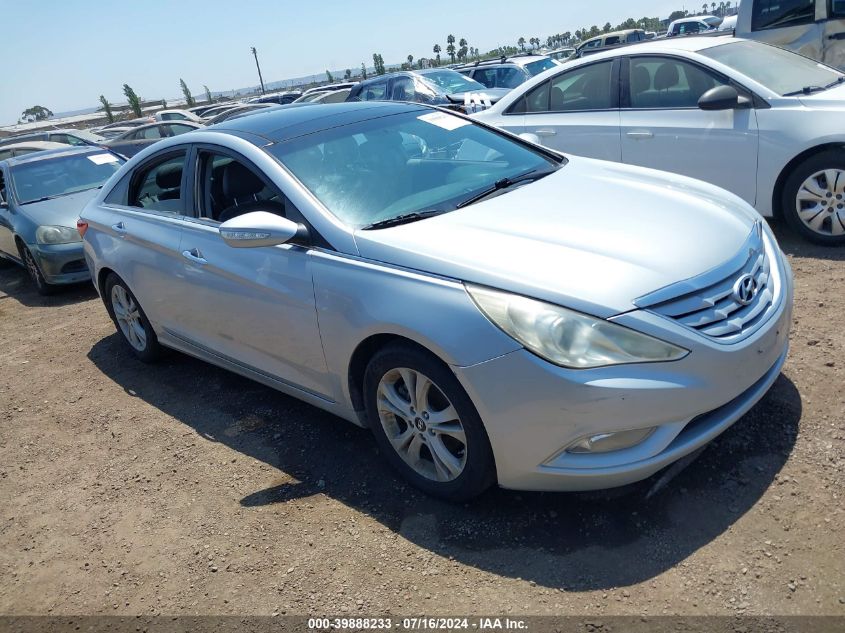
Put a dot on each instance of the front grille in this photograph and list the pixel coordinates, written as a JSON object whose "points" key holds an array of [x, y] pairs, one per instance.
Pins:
{"points": [[713, 307]]}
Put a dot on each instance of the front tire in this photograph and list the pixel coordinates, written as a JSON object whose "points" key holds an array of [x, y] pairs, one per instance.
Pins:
{"points": [[426, 425], [129, 319], [814, 199], [35, 274]]}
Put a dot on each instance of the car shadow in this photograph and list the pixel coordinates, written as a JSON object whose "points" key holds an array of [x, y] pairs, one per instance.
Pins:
{"points": [[15, 283], [793, 244], [576, 541]]}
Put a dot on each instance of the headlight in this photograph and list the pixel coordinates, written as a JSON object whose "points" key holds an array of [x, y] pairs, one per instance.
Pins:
{"points": [[568, 338], [56, 235]]}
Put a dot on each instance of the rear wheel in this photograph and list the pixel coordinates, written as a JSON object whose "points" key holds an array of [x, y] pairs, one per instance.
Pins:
{"points": [[426, 424], [35, 273], [130, 320], [814, 199]]}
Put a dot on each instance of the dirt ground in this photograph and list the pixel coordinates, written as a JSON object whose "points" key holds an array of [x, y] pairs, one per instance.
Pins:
{"points": [[183, 489]]}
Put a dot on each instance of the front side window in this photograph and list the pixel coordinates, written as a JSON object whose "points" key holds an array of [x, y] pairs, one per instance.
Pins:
{"points": [[374, 91], [391, 166], [153, 132], [837, 9], [780, 70], [501, 77], [62, 175], [660, 82], [773, 14], [231, 188], [610, 41], [403, 89], [451, 82], [158, 186], [179, 128]]}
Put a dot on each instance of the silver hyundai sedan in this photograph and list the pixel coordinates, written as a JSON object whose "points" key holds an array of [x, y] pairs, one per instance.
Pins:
{"points": [[494, 311]]}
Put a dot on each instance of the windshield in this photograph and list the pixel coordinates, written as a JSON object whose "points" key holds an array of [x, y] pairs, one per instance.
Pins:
{"points": [[63, 175], [781, 71], [450, 81], [387, 167], [535, 68]]}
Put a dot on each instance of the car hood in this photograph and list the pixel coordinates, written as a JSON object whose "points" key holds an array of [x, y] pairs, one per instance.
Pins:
{"points": [[593, 236], [494, 94], [61, 211]]}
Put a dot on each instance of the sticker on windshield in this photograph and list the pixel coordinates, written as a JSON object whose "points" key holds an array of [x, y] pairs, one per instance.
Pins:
{"points": [[102, 159], [445, 121]]}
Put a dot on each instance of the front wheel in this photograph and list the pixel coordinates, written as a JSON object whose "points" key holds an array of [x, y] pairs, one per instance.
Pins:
{"points": [[426, 425], [130, 320], [814, 199], [35, 273]]}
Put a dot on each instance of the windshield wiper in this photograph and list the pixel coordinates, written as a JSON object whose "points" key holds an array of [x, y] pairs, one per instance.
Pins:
{"points": [[504, 183], [404, 219], [808, 90], [835, 83], [43, 198]]}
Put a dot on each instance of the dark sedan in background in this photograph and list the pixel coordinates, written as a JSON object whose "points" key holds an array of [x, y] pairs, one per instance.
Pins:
{"points": [[133, 141], [41, 196]]}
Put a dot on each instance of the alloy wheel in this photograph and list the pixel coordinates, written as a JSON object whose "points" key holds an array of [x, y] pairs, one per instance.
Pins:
{"points": [[32, 268], [128, 317], [820, 202], [422, 425]]}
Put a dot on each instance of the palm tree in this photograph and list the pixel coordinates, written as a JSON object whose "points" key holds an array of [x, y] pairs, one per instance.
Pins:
{"points": [[521, 42], [410, 61], [436, 51], [713, 5], [704, 8], [450, 49]]}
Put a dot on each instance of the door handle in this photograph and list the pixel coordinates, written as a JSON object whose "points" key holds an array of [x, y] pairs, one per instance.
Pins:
{"points": [[545, 131], [640, 134], [837, 36], [194, 256], [119, 228]]}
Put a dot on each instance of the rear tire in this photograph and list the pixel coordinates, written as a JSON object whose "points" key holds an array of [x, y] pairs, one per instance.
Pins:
{"points": [[130, 320], [426, 425], [813, 201]]}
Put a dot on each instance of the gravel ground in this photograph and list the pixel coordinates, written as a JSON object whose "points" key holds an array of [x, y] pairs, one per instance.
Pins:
{"points": [[183, 489]]}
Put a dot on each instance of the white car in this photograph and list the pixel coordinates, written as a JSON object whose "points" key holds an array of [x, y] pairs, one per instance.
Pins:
{"points": [[692, 25], [176, 115], [759, 121]]}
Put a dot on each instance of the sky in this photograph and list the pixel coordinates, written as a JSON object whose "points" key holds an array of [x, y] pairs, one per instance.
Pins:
{"points": [[65, 53]]}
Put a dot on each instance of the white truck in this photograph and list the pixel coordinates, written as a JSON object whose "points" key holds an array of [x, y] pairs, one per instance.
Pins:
{"points": [[814, 28]]}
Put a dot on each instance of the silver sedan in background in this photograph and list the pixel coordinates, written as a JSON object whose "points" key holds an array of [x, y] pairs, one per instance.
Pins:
{"points": [[459, 291]]}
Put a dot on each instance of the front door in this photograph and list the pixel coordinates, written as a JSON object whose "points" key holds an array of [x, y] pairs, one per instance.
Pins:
{"points": [[252, 305], [663, 127]]}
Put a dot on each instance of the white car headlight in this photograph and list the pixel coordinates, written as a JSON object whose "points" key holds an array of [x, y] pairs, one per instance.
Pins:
{"points": [[568, 338], [56, 235]]}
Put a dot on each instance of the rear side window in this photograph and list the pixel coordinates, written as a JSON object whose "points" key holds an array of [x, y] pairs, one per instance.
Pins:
{"points": [[585, 88], [158, 185], [501, 77], [773, 14], [610, 41]]}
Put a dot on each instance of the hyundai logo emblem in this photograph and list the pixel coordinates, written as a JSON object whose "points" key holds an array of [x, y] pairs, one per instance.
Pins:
{"points": [[745, 289]]}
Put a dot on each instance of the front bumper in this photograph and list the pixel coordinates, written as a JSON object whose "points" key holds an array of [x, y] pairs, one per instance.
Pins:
{"points": [[533, 410], [61, 263]]}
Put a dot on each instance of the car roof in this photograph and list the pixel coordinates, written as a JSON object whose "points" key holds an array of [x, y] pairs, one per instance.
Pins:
{"points": [[286, 122], [690, 43], [692, 18], [518, 60], [69, 150], [44, 145]]}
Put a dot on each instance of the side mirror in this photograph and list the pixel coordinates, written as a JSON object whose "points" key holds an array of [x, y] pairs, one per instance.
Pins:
{"points": [[260, 228], [531, 138], [722, 98]]}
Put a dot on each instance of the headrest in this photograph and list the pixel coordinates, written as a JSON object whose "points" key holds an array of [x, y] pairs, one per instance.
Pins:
{"points": [[666, 76], [238, 181], [169, 177]]}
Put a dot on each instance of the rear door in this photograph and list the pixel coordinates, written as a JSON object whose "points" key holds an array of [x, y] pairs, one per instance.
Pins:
{"points": [[138, 229], [255, 306], [663, 127], [7, 236], [833, 41], [577, 111]]}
